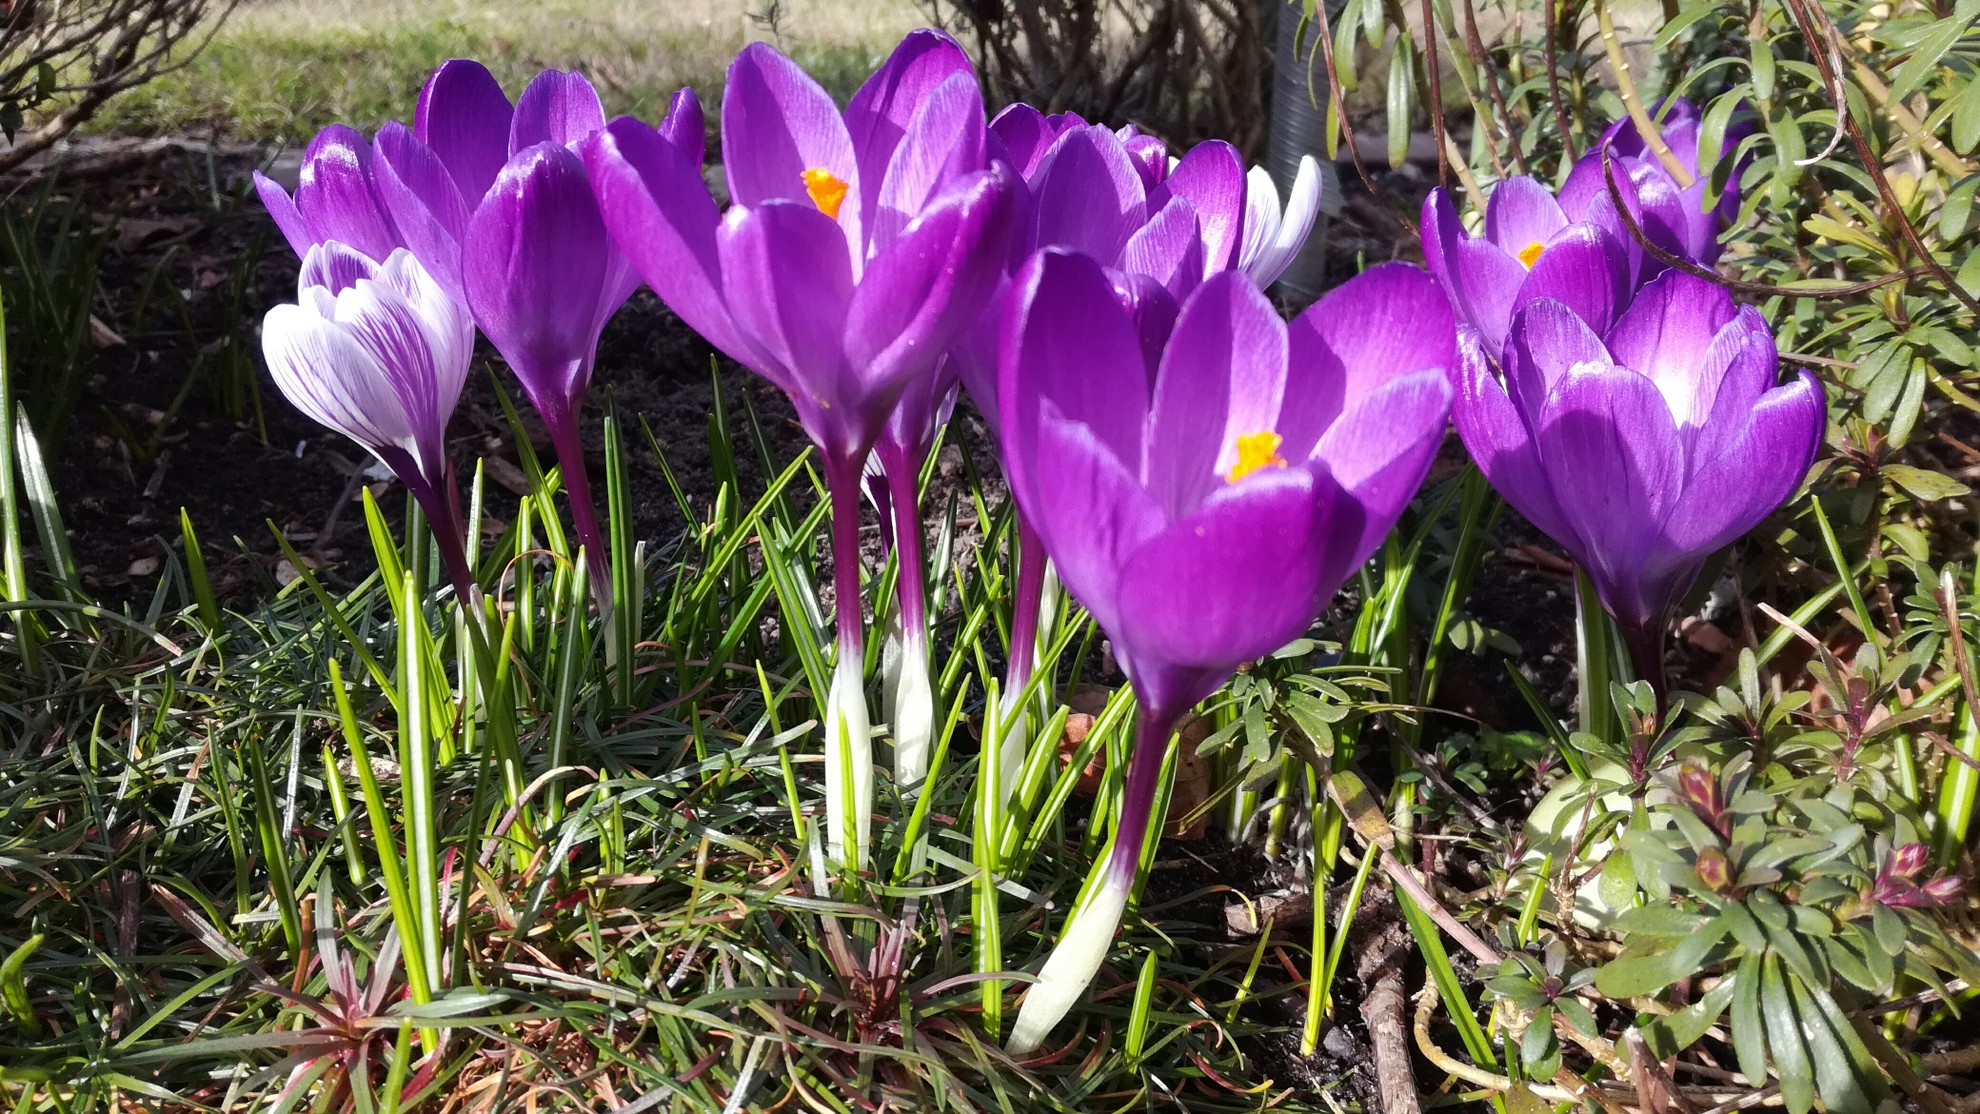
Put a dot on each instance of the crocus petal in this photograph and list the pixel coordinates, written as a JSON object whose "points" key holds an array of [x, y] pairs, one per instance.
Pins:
{"points": [[384, 323], [1168, 249], [944, 141], [282, 209], [1484, 282], [788, 284], [1666, 333], [1584, 269], [1388, 321], [1289, 230], [1026, 135], [335, 267], [535, 264], [1607, 436], [424, 201], [1381, 448], [878, 115], [1234, 580], [653, 200], [560, 107], [1090, 511], [327, 374], [1261, 215], [1153, 310], [1743, 364], [1522, 212], [464, 117], [685, 128], [1758, 469], [1211, 175], [1066, 337], [1499, 438], [336, 197], [918, 292], [445, 320], [1087, 196], [1548, 340], [1149, 155], [1221, 378], [778, 123]]}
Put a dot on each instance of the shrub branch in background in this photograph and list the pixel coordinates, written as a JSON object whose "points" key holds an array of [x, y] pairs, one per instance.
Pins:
{"points": [[60, 60]]}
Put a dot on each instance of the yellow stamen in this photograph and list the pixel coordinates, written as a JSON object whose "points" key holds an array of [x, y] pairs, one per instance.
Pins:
{"points": [[1528, 255], [827, 190], [1255, 451]]}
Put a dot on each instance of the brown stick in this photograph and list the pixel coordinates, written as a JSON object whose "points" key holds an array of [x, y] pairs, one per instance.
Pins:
{"points": [[1432, 70], [1561, 120], [1480, 57], [1378, 962], [1755, 289]]}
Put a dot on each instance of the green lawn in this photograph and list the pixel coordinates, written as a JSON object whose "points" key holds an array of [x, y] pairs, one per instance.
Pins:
{"points": [[280, 69]]}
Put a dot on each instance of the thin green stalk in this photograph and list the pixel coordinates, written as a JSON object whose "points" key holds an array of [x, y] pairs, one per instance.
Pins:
{"points": [[1594, 662], [1836, 558], [417, 766]]}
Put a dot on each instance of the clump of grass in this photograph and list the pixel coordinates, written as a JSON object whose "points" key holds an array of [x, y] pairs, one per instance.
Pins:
{"points": [[281, 69]]}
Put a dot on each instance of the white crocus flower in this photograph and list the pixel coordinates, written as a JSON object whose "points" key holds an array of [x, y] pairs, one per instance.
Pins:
{"points": [[1272, 238]]}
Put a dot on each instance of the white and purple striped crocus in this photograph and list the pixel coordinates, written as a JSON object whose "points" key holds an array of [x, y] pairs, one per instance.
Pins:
{"points": [[854, 247], [1643, 451], [378, 352], [1274, 235], [1206, 513], [495, 201]]}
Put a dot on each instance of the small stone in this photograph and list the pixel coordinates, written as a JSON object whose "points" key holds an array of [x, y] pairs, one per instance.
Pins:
{"points": [[143, 566]]}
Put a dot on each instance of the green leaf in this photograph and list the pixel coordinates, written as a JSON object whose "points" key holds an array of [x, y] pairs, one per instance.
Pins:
{"points": [[1761, 54], [1537, 1043], [1658, 920], [1909, 403], [1911, 76], [13, 987], [1924, 484], [1959, 203], [1785, 1040], [1789, 149], [1668, 1036], [1402, 82], [1690, 15], [1966, 117], [1842, 1091], [1749, 1037], [1633, 975], [1744, 927]]}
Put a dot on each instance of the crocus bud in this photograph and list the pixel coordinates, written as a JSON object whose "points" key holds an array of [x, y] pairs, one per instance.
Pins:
{"points": [[1945, 890]]}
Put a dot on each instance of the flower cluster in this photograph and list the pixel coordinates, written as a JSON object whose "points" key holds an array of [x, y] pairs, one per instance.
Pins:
{"points": [[1630, 411], [1202, 474]]}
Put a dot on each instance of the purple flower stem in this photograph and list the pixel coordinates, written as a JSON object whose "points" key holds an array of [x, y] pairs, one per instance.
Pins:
{"points": [[1144, 776], [1024, 613], [1646, 654], [904, 499], [842, 480], [584, 516]]}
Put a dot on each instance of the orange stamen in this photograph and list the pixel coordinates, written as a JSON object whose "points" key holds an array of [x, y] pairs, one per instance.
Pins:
{"points": [[1255, 451], [827, 190], [1530, 254]]}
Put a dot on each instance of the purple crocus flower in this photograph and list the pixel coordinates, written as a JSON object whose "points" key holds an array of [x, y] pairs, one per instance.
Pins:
{"points": [[1673, 215], [1529, 249], [337, 198], [1643, 452], [497, 204], [1161, 228], [1205, 514], [855, 247], [378, 352]]}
